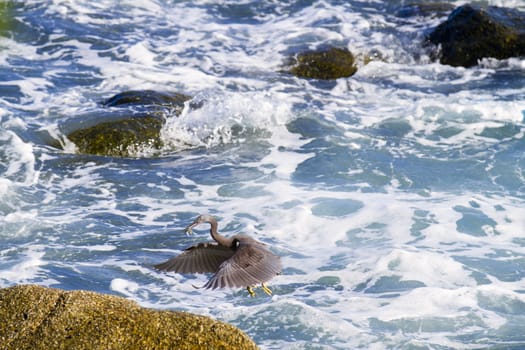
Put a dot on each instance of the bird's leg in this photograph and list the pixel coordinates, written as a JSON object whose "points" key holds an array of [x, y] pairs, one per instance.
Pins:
{"points": [[266, 289], [250, 290]]}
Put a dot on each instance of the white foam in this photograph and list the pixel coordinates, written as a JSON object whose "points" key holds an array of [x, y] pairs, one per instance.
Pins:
{"points": [[124, 287], [98, 247], [28, 270], [221, 114], [20, 158]]}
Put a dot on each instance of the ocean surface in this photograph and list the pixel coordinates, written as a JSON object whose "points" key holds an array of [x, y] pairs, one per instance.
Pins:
{"points": [[395, 197]]}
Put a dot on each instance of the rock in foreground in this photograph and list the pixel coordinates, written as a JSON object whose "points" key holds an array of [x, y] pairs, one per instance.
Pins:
{"points": [[36, 318]]}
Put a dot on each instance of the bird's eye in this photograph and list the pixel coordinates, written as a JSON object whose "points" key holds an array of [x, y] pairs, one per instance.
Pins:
{"points": [[236, 243]]}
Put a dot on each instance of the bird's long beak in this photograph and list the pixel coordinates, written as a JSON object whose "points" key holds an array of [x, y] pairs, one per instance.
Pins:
{"points": [[189, 229]]}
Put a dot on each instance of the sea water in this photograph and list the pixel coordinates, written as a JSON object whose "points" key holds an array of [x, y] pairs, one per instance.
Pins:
{"points": [[395, 197]]}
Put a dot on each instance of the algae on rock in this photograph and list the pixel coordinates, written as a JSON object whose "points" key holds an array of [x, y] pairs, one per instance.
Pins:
{"points": [[132, 135], [332, 63], [39, 318], [7, 22], [121, 138]]}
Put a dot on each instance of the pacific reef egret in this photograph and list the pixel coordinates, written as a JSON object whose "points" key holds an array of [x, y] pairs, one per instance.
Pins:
{"points": [[236, 261]]}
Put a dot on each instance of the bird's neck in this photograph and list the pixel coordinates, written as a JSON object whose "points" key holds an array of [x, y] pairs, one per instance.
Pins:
{"points": [[227, 242]]}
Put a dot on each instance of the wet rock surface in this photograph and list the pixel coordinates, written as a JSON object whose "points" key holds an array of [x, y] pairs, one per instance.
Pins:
{"points": [[147, 97], [473, 32], [331, 63], [35, 317], [132, 135], [121, 138]]}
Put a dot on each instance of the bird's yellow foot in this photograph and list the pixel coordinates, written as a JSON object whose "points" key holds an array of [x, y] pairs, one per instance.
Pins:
{"points": [[250, 290], [266, 289]]}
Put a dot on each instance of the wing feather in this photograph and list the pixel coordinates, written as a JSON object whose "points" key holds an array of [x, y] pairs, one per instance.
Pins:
{"points": [[250, 265], [201, 258]]}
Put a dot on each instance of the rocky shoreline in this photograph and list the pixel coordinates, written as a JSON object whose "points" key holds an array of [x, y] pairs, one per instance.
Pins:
{"points": [[470, 33]]}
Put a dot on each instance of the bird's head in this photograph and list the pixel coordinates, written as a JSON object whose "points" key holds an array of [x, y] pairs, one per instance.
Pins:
{"points": [[199, 220]]}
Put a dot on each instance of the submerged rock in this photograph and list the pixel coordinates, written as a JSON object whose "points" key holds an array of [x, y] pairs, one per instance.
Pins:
{"points": [[471, 33], [332, 63], [36, 318], [147, 98], [132, 135]]}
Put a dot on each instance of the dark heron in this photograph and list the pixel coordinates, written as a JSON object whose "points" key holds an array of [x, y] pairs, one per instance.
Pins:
{"points": [[237, 261]]}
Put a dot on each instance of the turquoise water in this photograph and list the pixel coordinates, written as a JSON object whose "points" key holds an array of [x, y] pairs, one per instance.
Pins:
{"points": [[395, 197]]}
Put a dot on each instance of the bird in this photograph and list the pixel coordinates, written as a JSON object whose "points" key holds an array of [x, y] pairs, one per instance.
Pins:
{"points": [[236, 261]]}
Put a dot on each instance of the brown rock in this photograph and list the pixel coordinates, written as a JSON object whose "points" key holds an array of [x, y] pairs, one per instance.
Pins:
{"points": [[35, 318]]}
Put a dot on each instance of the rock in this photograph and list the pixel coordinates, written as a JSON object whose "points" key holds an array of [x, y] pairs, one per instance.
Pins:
{"points": [[126, 137], [35, 318], [133, 135], [330, 63], [5, 19], [472, 32], [148, 98]]}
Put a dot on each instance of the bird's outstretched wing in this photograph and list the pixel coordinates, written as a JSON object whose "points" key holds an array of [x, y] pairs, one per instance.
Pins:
{"points": [[250, 265], [201, 258]]}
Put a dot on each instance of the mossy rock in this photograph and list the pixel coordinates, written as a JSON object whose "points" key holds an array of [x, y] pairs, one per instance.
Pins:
{"points": [[120, 138], [332, 63], [35, 318], [472, 32], [134, 135], [6, 18]]}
